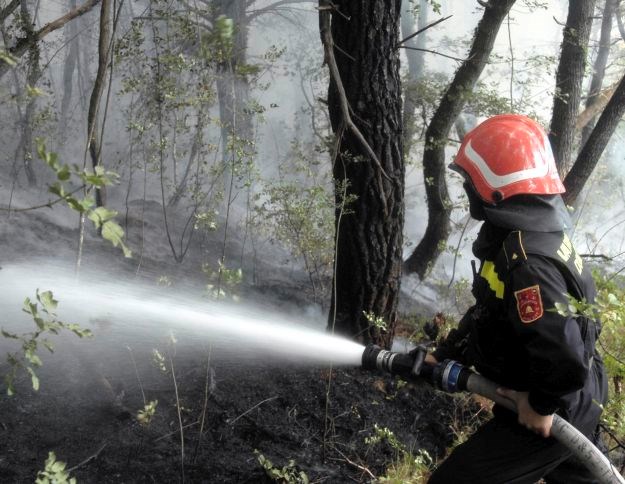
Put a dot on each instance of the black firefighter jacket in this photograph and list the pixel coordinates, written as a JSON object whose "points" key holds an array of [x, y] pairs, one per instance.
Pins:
{"points": [[514, 336]]}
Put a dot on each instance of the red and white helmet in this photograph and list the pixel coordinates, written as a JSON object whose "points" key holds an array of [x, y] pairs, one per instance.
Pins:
{"points": [[508, 155]]}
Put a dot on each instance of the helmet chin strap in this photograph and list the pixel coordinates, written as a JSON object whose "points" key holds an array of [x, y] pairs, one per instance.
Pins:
{"points": [[476, 204]]}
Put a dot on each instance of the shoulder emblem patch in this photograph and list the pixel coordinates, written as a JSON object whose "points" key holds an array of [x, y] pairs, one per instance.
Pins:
{"points": [[529, 304]]}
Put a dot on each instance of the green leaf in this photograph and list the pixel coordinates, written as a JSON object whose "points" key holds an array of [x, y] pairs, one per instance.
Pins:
{"points": [[57, 189], [75, 204], [63, 173], [33, 91], [100, 215], [58, 466], [6, 334], [29, 307], [7, 58], [33, 377], [39, 321], [52, 160], [87, 203], [41, 148], [112, 232], [48, 345], [32, 357], [47, 299]]}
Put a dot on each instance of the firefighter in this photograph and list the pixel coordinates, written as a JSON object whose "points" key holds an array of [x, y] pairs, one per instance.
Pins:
{"points": [[544, 361]]}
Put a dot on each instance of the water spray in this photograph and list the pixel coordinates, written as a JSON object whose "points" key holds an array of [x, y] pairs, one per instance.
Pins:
{"points": [[451, 376]]}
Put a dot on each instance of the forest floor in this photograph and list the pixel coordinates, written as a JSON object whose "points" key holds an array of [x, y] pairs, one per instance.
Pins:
{"points": [[235, 412], [229, 420]]}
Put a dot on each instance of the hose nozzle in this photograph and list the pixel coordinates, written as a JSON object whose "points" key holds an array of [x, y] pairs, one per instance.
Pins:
{"points": [[406, 365], [448, 375]]}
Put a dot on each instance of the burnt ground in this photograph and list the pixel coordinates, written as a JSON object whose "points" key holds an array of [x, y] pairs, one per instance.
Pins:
{"points": [[267, 409], [86, 408]]}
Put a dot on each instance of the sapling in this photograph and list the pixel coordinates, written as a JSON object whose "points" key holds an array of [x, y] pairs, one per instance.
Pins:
{"points": [[43, 314]]}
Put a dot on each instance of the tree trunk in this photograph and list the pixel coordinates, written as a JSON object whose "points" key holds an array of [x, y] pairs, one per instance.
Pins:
{"points": [[233, 90], [569, 77], [589, 155], [96, 95], [415, 60], [25, 148], [439, 205], [601, 62], [368, 167], [23, 44], [71, 61]]}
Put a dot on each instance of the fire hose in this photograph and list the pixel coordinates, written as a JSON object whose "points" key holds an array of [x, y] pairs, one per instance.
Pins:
{"points": [[450, 376]]}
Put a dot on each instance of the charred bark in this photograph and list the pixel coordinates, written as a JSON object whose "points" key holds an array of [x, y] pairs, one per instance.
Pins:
{"points": [[439, 205], [589, 155], [569, 78], [601, 62], [365, 108]]}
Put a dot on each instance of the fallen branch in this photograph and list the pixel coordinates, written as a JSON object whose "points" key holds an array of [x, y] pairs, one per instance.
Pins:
{"points": [[231, 421], [352, 463], [89, 459], [601, 100], [169, 434]]}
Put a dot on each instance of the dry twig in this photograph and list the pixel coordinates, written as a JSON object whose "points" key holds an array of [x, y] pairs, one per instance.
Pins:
{"points": [[231, 421]]}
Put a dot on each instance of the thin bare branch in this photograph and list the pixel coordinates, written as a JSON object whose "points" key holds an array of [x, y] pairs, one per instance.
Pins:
{"points": [[429, 26], [48, 204], [253, 14], [433, 52], [358, 466]]}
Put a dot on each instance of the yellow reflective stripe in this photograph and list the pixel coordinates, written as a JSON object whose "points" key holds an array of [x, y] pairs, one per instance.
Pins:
{"points": [[488, 272]]}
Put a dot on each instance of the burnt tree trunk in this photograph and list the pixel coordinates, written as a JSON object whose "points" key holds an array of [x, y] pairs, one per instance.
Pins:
{"points": [[369, 168], [589, 155], [439, 205], [569, 77]]}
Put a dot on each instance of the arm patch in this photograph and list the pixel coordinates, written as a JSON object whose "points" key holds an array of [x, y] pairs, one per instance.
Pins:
{"points": [[529, 304]]}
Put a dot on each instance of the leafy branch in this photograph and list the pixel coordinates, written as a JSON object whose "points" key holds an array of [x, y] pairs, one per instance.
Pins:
{"points": [[43, 314], [102, 218]]}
